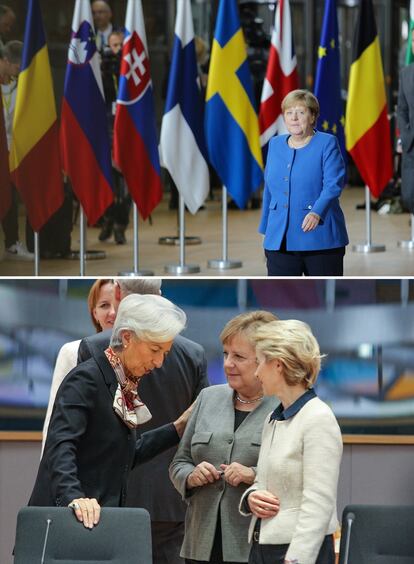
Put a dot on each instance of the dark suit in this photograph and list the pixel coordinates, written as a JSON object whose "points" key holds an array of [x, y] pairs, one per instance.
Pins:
{"points": [[89, 450], [167, 391], [405, 117]]}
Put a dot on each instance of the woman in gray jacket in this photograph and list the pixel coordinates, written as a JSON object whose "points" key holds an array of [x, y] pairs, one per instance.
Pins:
{"points": [[217, 456]]}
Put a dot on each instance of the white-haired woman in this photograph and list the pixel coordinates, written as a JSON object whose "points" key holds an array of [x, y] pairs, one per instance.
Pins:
{"points": [[92, 445], [293, 499]]}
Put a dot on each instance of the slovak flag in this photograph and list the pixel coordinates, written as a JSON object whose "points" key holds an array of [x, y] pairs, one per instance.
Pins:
{"points": [[86, 151], [281, 75], [182, 141], [135, 134]]}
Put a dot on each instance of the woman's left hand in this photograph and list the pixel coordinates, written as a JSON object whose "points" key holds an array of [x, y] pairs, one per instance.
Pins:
{"points": [[236, 473], [310, 222]]}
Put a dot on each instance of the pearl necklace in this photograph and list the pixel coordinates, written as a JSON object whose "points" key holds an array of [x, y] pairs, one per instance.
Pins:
{"points": [[299, 145], [238, 398]]}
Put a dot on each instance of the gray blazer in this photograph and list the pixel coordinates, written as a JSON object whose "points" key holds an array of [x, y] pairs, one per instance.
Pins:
{"points": [[167, 392], [210, 436], [405, 116]]}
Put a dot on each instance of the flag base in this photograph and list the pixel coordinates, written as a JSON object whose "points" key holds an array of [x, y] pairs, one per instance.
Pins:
{"points": [[221, 264], [175, 240], [406, 244], [88, 255], [181, 268], [368, 248], [132, 273]]}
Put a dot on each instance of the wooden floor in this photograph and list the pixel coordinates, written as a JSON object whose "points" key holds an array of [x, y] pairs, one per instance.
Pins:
{"points": [[244, 244]]}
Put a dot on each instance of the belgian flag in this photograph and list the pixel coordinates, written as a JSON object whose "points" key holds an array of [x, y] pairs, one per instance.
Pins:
{"points": [[367, 129]]}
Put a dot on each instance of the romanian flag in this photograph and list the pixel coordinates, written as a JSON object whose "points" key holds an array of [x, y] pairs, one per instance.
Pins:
{"points": [[328, 78], [231, 122], [5, 187], [34, 152], [367, 129]]}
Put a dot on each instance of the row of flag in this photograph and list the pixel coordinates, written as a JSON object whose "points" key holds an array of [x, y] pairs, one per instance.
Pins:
{"points": [[231, 137]]}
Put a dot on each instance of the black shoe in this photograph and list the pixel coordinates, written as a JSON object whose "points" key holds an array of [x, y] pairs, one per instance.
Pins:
{"points": [[119, 234], [106, 231]]}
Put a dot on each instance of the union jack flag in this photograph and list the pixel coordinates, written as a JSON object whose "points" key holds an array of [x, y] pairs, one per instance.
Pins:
{"points": [[281, 75]]}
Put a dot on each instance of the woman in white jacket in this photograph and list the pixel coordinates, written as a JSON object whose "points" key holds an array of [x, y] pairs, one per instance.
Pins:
{"points": [[293, 499]]}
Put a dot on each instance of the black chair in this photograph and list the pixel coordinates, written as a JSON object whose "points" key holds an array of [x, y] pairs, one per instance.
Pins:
{"points": [[377, 534], [52, 535]]}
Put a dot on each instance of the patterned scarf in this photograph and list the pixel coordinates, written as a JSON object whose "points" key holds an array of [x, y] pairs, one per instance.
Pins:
{"points": [[127, 403]]}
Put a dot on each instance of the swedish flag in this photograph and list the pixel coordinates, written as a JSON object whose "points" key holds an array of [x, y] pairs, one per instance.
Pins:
{"points": [[328, 78], [231, 122]]}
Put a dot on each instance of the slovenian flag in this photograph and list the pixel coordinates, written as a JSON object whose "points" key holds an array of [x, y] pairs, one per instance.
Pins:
{"points": [[182, 144], [84, 133], [135, 134], [34, 153]]}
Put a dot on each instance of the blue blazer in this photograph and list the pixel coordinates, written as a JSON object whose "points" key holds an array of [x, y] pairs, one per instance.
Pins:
{"points": [[298, 181]]}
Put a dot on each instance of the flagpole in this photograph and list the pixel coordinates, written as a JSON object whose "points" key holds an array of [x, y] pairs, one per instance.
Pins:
{"points": [[36, 253], [224, 262], [368, 247], [181, 268], [82, 245], [136, 271], [410, 243]]}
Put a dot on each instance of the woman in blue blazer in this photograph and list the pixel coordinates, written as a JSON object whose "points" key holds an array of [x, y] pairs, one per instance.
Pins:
{"points": [[302, 222]]}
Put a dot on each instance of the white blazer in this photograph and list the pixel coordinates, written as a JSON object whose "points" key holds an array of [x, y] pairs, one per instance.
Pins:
{"points": [[299, 463]]}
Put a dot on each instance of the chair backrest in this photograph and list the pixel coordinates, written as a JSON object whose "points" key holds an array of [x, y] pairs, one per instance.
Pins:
{"points": [[377, 534], [122, 536]]}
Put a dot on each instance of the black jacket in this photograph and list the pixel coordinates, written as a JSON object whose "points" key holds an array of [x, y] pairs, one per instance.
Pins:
{"points": [[89, 450], [167, 391]]}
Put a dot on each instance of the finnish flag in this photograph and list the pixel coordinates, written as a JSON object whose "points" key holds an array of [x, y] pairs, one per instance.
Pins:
{"points": [[182, 144]]}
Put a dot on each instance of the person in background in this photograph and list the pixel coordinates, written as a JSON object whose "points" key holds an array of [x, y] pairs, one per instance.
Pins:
{"points": [[92, 443], [116, 218], [102, 19], [7, 21], [102, 306], [169, 390], [12, 54], [405, 119], [217, 456], [293, 498], [302, 222]]}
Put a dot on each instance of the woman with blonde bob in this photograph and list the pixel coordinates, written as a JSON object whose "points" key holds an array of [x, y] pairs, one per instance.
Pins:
{"points": [[92, 445], [293, 498]]}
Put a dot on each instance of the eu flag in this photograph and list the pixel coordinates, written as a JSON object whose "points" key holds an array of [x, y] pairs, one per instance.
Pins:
{"points": [[328, 78], [231, 122]]}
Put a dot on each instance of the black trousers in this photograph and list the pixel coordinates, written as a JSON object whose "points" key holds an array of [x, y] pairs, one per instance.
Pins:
{"points": [[327, 262], [275, 553], [167, 538]]}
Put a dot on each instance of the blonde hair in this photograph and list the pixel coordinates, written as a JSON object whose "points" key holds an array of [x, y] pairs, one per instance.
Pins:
{"points": [[246, 323], [301, 97], [294, 345]]}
